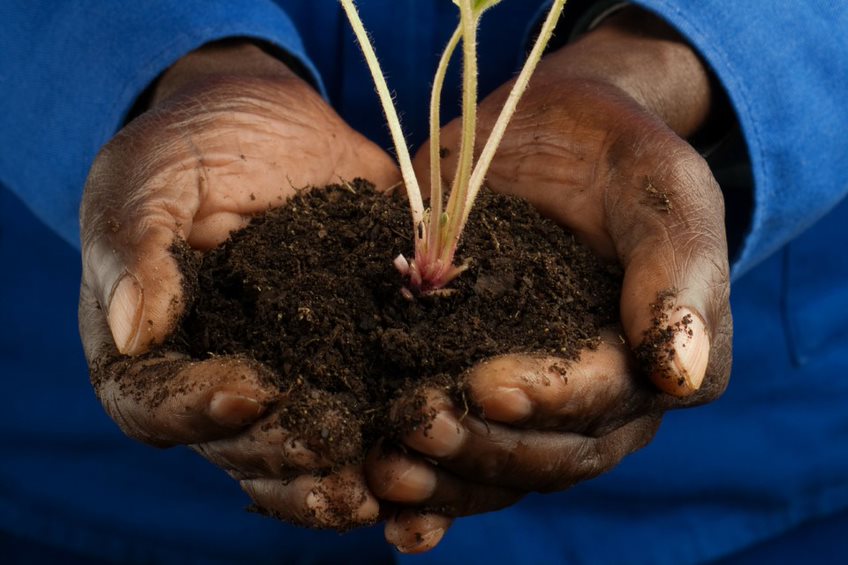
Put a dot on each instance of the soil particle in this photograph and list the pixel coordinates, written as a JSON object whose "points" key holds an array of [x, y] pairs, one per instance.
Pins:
{"points": [[656, 353], [309, 290], [657, 198]]}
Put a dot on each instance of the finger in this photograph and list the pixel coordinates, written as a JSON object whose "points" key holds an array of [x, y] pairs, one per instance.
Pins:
{"points": [[410, 480], [169, 399], [414, 531], [543, 461], [265, 450], [593, 395], [293, 438], [341, 500], [127, 241], [668, 229]]}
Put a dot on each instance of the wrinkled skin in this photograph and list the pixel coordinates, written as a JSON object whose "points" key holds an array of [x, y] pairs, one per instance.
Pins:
{"points": [[598, 145], [231, 133]]}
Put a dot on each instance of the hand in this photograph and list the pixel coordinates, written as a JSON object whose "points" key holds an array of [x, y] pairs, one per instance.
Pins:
{"points": [[598, 146], [231, 132]]}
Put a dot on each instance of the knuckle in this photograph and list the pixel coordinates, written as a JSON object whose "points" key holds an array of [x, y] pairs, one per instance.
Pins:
{"points": [[589, 461], [282, 502], [568, 467]]}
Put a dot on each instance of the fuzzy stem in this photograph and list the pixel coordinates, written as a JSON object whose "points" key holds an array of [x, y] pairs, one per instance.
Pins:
{"points": [[469, 128], [508, 110], [413, 191], [435, 148]]}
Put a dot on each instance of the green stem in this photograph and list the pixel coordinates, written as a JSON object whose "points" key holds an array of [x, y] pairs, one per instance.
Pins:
{"points": [[413, 191], [508, 110], [469, 127], [435, 146]]}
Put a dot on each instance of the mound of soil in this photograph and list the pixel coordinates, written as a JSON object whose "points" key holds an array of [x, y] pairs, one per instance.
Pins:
{"points": [[310, 291]]}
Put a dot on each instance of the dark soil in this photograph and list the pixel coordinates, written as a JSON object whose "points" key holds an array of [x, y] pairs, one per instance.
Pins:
{"points": [[310, 291]]}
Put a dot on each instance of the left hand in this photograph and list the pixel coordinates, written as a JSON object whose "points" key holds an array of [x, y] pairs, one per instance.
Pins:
{"points": [[598, 145]]}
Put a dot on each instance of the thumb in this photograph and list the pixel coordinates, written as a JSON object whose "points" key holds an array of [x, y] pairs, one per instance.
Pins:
{"points": [[668, 230], [142, 301], [133, 226]]}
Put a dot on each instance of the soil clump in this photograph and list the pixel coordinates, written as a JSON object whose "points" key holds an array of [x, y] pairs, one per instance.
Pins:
{"points": [[310, 291]]}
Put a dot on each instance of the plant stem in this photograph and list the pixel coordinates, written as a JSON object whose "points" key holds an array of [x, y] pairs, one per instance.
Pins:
{"points": [[469, 128], [508, 110], [413, 191], [435, 242], [435, 146]]}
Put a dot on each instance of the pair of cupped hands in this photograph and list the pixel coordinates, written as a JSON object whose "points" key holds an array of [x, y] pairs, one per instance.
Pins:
{"points": [[600, 133]]}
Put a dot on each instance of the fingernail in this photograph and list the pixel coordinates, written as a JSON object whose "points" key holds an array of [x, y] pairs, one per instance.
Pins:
{"points": [[124, 312], [341, 512], [691, 347], [416, 483], [318, 505], [507, 404], [442, 438], [369, 510], [423, 541], [234, 410]]}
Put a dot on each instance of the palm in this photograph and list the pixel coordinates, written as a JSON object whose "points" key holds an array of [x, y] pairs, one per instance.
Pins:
{"points": [[195, 168], [200, 167]]}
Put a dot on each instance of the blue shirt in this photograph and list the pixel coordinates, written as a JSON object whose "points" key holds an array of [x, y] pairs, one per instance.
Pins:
{"points": [[771, 454]]}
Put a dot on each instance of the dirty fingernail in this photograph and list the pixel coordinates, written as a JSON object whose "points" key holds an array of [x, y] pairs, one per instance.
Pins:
{"points": [[507, 404], [423, 542], [332, 514], [318, 505], [369, 509], [443, 438], [691, 347], [124, 312], [234, 410]]}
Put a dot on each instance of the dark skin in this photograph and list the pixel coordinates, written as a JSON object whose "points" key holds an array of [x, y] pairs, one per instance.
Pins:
{"points": [[230, 132], [601, 131]]}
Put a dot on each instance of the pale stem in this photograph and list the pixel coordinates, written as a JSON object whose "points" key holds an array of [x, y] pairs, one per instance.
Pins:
{"points": [[413, 191], [435, 145], [469, 128], [508, 110]]}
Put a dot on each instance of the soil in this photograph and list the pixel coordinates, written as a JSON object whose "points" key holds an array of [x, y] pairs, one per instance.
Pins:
{"points": [[310, 291]]}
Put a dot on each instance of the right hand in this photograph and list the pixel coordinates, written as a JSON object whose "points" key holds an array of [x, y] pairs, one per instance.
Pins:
{"points": [[231, 133]]}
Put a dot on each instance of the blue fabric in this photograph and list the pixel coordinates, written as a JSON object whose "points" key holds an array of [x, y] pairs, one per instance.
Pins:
{"points": [[71, 71], [783, 66], [822, 542], [770, 455]]}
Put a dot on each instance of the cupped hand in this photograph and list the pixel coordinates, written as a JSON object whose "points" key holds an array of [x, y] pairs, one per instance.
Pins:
{"points": [[598, 145], [231, 133]]}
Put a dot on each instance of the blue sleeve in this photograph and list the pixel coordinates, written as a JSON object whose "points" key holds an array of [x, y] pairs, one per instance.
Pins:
{"points": [[71, 71], [782, 64]]}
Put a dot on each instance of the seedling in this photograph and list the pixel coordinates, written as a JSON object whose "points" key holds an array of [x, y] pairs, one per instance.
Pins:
{"points": [[437, 230]]}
